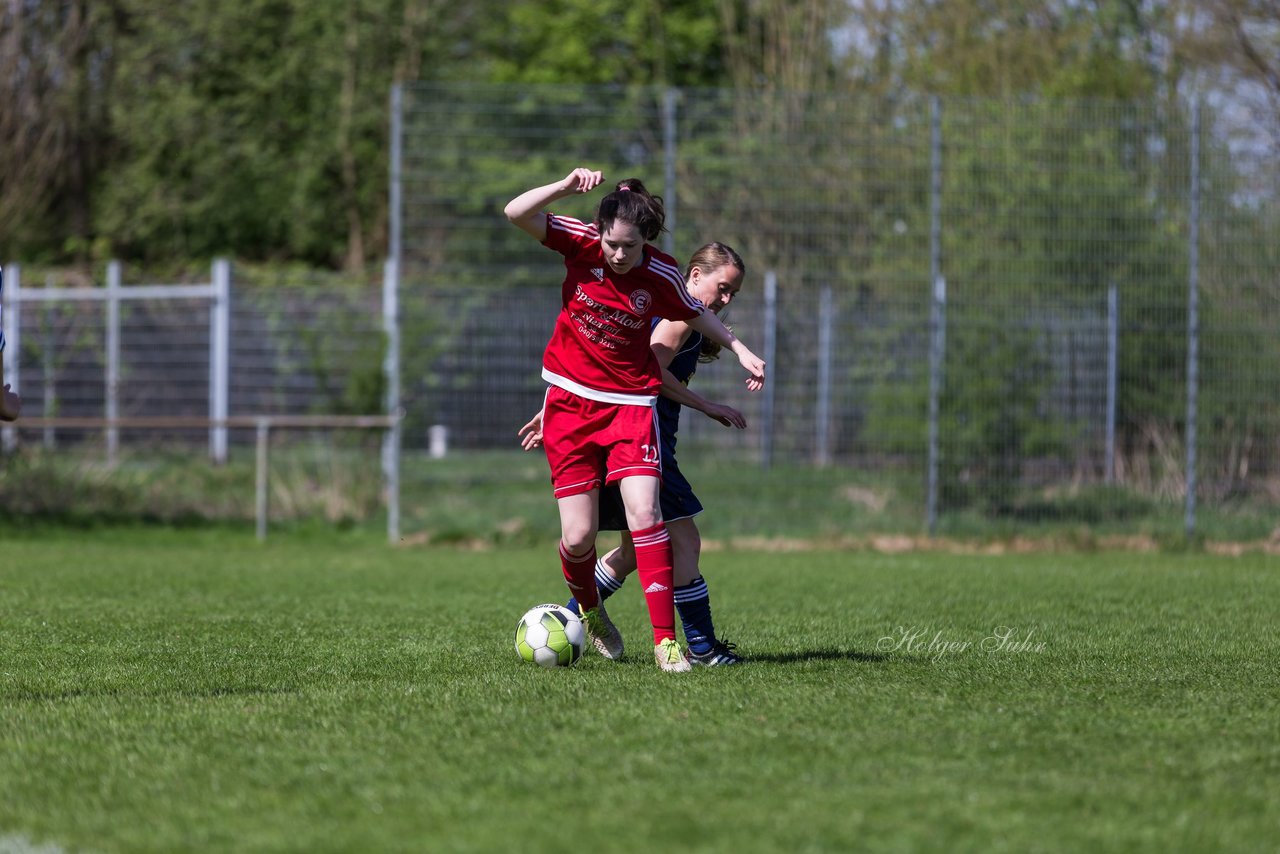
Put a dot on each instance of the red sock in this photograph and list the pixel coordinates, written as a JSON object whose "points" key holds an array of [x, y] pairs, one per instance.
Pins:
{"points": [[580, 575], [653, 564]]}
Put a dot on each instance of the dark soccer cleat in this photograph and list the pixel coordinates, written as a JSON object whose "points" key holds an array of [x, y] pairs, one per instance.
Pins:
{"points": [[720, 654]]}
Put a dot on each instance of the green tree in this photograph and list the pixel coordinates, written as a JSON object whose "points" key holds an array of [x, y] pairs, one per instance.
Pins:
{"points": [[55, 82], [1057, 48], [649, 42]]}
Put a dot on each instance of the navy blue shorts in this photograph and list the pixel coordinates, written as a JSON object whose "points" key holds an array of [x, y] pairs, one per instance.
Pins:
{"points": [[676, 498]]}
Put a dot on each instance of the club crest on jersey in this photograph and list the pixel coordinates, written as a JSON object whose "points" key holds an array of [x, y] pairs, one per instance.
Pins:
{"points": [[598, 272], [640, 301]]}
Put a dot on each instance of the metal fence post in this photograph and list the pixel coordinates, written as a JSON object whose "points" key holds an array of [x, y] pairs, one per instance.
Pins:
{"points": [[12, 337], [822, 416], [391, 371], [261, 476], [669, 101], [48, 370], [1193, 318], [937, 347], [394, 211], [1113, 367], [391, 316], [937, 328], [219, 358], [113, 359], [770, 350]]}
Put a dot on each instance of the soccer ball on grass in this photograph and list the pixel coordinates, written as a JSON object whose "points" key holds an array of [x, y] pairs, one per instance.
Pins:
{"points": [[550, 635]]}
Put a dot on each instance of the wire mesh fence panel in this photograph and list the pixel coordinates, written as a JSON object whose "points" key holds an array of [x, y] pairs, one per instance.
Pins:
{"points": [[1062, 235], [1239, 380], [471, 360], [309, 345], [62, 366]]}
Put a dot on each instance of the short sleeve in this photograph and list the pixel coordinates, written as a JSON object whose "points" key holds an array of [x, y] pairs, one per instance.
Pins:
{"points": [[570, 237]]}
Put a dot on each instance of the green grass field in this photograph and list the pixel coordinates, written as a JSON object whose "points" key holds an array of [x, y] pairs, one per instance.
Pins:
{"points": [[172, 691]]}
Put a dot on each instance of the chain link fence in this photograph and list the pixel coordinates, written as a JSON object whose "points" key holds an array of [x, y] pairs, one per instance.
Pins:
{"points": [[982, 317], [999, 313]]}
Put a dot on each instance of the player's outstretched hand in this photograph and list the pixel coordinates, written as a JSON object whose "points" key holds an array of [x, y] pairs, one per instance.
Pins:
{"points": [[531, 433], [582, 180], [754, 366], [727, 415]]}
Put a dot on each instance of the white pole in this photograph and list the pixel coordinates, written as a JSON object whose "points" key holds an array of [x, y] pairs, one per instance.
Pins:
{"points": [[47, 370], [219, 357], [770, 351], [1193, 320], [391, 317], [393, 192], [260, 476], [937, 356], [391, 370], [669, 100], [826, 322], [937, 309], [113, 359], [12, 336], [1113, 369]]}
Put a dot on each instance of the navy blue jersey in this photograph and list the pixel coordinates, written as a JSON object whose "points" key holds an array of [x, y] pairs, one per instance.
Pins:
{"points": [[676, 496], [683, 366]]}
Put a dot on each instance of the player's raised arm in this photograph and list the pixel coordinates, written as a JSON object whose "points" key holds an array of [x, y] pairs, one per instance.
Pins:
{"points": [[709, 325], [526, 209]]}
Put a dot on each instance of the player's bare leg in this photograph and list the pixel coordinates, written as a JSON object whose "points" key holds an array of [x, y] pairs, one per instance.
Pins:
{"points": [[578, 523], [604, 635]]}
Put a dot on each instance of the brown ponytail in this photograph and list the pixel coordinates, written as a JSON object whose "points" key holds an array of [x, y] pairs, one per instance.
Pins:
{"points": [[631, 203]]}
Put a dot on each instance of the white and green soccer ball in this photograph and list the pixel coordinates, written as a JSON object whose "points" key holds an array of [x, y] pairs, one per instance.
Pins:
{"points": [[550, 635]]}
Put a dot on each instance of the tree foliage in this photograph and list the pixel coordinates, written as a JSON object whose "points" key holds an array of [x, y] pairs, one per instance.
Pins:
{"points": [[157, 131]]}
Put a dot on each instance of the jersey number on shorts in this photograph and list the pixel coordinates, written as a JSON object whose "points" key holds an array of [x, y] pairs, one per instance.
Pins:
{"points": [[650, 454]]}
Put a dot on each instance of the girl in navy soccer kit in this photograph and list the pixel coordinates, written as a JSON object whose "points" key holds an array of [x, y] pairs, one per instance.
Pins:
{"points": [[598, 417]]}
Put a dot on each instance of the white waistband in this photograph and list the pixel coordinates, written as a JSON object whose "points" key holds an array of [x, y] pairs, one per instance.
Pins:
{"points": [[594, 394]]}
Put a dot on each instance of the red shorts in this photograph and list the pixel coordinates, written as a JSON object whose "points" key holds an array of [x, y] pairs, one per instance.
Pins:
{"points": [[590, 443]]}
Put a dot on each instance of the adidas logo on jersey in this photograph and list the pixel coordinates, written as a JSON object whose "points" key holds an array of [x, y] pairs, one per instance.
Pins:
{"points": [[598, 272], [656, 587]]}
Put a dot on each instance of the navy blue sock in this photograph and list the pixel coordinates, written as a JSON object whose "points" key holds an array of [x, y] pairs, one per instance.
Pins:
{"points": [[606, 585], [694, 605]]}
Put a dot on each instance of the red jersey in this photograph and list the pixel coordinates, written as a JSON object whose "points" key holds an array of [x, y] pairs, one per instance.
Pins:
{"points": [[600, 346]]}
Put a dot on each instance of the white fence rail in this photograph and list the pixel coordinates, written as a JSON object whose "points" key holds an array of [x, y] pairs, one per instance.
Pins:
{"points": [[218, 294], [263, 425], [294, 349]]}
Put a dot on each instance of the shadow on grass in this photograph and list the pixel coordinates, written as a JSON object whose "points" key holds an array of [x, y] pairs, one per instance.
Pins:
{"points": [[817, 655]]}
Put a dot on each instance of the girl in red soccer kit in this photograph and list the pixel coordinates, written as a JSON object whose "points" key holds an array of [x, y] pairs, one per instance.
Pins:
{"points": [[599, 423]]}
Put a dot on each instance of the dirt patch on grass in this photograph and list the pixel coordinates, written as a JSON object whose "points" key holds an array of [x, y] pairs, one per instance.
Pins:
{"points": [[904, 544]]}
